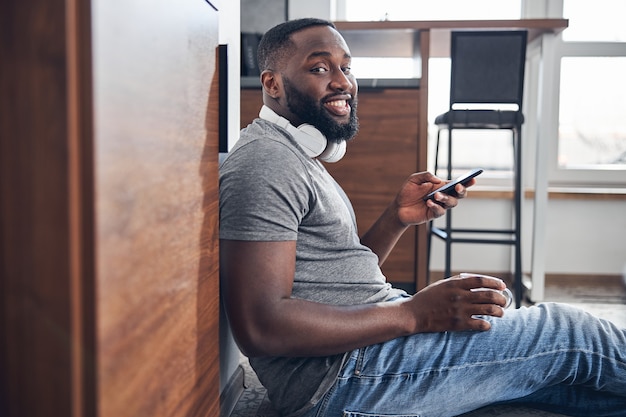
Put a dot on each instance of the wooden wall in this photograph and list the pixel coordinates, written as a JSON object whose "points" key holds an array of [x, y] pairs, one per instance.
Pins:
{"points": [[378, 160], [108, 180]]}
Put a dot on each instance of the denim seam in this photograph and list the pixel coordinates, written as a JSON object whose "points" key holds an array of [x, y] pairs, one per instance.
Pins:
{"points": [[359, 374], [358, 414], [359, 361], [324, 401], [528, 358]]}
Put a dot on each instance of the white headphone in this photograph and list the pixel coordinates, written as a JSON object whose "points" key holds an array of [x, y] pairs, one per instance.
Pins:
{"points": [[312, 140]]}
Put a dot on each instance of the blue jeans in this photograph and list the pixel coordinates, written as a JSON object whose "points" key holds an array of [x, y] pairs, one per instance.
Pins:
{"points": [[550, 356]]}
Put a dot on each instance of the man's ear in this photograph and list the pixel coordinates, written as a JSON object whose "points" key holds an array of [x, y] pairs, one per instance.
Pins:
{"points": [[272, 83]]}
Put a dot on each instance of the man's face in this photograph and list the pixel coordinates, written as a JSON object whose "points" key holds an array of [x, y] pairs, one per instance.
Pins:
{"points": [[319, 88], [313, 112]]}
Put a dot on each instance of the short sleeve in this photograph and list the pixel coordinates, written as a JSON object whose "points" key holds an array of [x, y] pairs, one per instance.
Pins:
{"points": [[259, 201]]}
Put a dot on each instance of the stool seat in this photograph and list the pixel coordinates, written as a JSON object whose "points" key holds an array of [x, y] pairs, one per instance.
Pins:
{"points": [[480, 119]]}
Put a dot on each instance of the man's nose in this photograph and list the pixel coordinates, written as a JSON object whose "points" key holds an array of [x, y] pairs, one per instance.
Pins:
{"points": [[341, 81]]}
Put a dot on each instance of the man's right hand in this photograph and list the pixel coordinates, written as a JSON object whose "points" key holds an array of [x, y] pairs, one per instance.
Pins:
{"points": [[451, 305]]}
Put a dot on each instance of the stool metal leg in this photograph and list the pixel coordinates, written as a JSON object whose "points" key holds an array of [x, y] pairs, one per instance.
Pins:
{"points": [[448, 265], [430, 224], [446, 232], [517, 133], [448, 241]]}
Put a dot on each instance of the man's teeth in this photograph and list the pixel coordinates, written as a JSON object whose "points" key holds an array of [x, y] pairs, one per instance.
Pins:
{"points": [[337, 103]]}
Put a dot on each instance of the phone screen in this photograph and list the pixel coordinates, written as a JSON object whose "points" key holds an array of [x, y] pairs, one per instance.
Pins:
{"points": [[449, 187]]}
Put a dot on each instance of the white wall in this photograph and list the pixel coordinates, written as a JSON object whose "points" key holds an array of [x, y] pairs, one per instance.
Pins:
{"points": [[582, 237], [323, 9], [229, 34], [257, 16]]}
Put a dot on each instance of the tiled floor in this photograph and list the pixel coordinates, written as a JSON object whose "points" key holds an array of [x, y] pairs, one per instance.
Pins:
{"points": [[605, 301]]}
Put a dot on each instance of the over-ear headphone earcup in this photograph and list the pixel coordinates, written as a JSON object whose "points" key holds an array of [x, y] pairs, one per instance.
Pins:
{"points": [[333, 152], [308, 136], [311, 139], [316, 144]]}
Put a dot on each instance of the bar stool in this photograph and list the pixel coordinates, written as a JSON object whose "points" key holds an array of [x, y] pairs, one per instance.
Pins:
{"points": [[487, 72]]}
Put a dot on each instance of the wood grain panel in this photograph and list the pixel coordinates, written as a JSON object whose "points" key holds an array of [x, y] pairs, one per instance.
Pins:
{"points": [[251, 100], [156, 100], [36, 327], [421, 254], [108, 209], [377, 162]]}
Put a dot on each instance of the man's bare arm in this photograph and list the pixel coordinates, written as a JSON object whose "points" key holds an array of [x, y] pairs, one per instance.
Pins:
{"points": [[257, 279]]}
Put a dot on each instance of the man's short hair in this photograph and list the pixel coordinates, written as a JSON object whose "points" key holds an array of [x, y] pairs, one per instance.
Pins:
{"points": [[276, 42]]}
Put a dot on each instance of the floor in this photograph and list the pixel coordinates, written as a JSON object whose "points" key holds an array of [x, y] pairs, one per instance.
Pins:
{"points": [[605, 301]]}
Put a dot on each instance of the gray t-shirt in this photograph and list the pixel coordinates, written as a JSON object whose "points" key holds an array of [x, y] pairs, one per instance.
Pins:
{"points": [[270, 190]]}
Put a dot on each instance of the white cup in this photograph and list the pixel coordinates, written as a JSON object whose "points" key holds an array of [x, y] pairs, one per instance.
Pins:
{"points": [[505, 292]]}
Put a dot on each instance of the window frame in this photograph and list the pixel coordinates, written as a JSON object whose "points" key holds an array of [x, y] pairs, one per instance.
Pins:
{"points": [[588, 177]]}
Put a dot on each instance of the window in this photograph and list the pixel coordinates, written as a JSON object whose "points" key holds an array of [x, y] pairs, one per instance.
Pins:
{"points": [[591, 144], [431, 9], [599, 20], [592, 120], [374, 10]]}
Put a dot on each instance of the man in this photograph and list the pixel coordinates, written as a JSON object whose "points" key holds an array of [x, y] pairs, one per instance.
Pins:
{"points": [[308, 304]]}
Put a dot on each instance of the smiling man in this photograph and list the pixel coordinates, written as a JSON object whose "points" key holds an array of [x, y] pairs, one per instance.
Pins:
{"points": [[307, 301]]}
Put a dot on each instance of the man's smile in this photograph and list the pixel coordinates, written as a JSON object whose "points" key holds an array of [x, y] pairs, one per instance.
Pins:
{"points": [[338, 107]]}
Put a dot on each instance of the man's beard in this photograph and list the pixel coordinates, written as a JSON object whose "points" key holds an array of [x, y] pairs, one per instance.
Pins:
{"points": [[314, 114]]}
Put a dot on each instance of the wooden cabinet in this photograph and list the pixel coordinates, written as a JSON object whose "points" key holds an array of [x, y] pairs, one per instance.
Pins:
{"points": [[377, 162], [109, 239], [384, 153]]}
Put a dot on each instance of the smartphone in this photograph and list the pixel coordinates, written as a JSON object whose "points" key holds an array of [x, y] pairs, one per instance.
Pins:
{"points": [[449, 187]]}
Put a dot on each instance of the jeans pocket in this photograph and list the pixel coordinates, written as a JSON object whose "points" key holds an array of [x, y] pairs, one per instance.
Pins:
{"points": [[360, 414]]}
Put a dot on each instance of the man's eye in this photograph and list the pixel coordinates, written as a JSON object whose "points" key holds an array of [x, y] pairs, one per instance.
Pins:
{"points": [[319, 69], [347, 70]]}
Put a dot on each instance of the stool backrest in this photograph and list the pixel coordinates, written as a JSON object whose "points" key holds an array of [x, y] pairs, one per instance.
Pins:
{"points": [[487, 67]]}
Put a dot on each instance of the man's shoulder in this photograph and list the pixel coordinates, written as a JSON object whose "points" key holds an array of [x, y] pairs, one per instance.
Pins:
{"points": [[264, 143]]}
